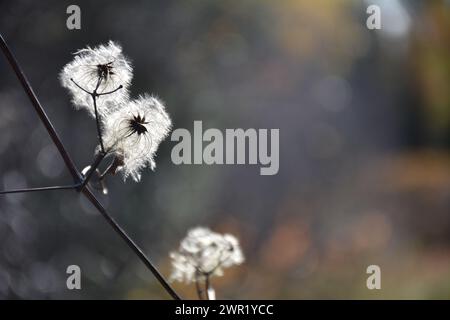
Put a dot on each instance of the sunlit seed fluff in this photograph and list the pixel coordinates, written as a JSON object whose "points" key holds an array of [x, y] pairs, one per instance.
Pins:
{"points": [[105, 66], [133, 133], [204, 253]]}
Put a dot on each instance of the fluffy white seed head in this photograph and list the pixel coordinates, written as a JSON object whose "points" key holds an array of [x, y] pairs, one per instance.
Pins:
{"points": [[204, 253], [133, 133], [103, 68]]}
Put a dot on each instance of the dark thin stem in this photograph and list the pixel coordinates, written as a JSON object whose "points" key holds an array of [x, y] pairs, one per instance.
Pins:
{"points": [[97, 122], [73, 186], [94, 96], [92, 169], [87, 192], [109, 92], [74, 171], [80, 86], [99, 81]]}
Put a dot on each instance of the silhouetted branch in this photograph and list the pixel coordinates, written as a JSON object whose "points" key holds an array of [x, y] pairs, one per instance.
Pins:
{"points": [[88, 193], [73, 186], [97, 121], [79, 181]]}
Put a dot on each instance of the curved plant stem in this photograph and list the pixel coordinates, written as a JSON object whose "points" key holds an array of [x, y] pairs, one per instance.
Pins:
{"points": [[76, 174], [109, 92]]}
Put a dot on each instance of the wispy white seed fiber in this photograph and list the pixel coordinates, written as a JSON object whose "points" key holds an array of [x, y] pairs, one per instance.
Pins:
{"points": [[105, 66], [204, 253], [136, 148]]}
